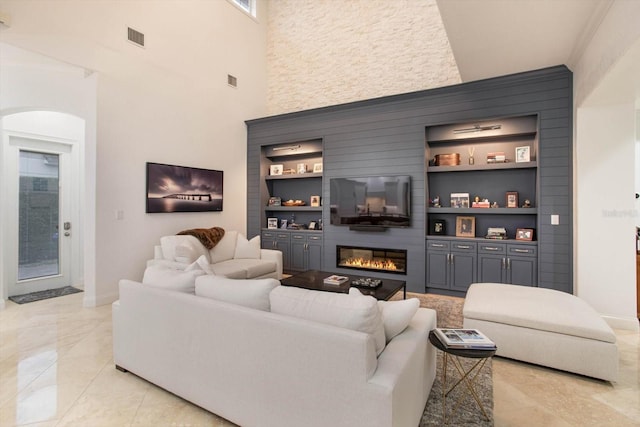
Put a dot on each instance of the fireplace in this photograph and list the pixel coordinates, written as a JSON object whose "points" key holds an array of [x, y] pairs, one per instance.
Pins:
{"points": [[372, 259]]}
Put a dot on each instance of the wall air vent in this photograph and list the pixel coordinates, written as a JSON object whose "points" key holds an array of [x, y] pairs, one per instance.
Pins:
{"points": [[232, 80], [135, 37]]}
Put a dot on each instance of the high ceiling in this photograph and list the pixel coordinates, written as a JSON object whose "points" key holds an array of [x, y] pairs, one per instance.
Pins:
{"points": [[492, 38]]}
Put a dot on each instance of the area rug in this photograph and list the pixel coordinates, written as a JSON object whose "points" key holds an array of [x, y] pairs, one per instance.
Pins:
{"points": [[467, 413], [40, 295]]}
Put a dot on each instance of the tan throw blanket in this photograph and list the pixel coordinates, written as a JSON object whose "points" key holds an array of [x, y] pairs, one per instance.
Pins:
{"points": [[209, 237]]}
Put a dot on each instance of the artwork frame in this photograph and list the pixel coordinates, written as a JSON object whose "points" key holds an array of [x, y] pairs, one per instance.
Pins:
{"points": [[317, 168], [276, 170], [173, 188], [272, 223], [465, 226], [523, 154], [459, 200], [524, 234], [438, 227], [283, 223], [301, 168], [511, 198], [314, 201]]}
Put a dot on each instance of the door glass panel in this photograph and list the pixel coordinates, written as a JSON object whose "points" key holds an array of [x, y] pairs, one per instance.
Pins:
{"points": [[39, 201]]}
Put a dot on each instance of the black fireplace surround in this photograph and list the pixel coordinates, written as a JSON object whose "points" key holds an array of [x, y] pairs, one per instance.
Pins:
{"points": [[372, 259]]}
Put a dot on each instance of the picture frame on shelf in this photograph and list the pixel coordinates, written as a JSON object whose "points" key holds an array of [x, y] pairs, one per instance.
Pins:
{"points": [[275, 201], [272, 223], [465, 226], [459, 200], [283, 223], [512, 199], [312, 225], [524, 234], [438, 227], [317, 167], [276, 169], [315, 201], [523, 154], [301, 168]]}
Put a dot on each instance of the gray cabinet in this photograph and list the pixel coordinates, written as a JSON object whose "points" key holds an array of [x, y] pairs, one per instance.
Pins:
{"points": [[451, 265], [507, 263], [306, 251], [278, 240]]}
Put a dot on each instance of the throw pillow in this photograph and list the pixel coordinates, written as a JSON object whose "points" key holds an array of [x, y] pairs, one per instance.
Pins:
{"points": [[247, 249], [200, 264], [396, 315], [185, 253], [359, 313], [168, 245], [225, 248], [170, 279], [248, 293]]}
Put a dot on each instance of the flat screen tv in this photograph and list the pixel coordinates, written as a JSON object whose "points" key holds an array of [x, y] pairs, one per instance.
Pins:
{"points": [[375, 201], [183, 189]]}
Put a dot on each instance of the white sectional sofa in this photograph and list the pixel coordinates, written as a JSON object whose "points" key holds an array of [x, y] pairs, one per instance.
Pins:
{"points": [[543, 326], [231, 350], [234, 256]]}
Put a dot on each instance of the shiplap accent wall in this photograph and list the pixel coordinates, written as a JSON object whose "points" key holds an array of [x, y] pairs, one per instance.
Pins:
{"points": [[386, 136]]}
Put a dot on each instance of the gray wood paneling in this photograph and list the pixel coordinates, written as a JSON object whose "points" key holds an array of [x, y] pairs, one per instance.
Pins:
{"points": [[386, 136]]}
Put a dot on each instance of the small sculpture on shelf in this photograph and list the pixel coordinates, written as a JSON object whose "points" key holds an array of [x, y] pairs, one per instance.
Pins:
{"points": [[495, 205], [435, 202], [527, 203]]}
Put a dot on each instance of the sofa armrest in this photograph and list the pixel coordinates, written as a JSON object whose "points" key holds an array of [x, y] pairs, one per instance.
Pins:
{"points": [[157, 252], [273, 255], [174, 265]]}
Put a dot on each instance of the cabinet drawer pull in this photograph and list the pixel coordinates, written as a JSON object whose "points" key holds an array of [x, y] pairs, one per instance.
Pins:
{"points": [[437, 245], [524, 251], [464, 247], [491, 248]]}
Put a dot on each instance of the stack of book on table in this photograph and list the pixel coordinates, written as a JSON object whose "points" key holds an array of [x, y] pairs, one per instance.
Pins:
{"points": [[335, 280], [464, 339]]}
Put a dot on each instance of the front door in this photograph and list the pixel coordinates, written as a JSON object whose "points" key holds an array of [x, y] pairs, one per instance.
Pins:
{"points": [[39, 218]]}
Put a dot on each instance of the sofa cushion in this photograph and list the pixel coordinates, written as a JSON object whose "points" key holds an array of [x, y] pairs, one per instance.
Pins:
{"points": [[396, 315], [225, 249], [190, 246], [247, 249], [171, 279], [243, 268], [356, 312], [248, 293]]}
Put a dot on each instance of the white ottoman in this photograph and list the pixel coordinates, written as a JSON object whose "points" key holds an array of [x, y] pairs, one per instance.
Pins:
{"points": [[543, 326]]}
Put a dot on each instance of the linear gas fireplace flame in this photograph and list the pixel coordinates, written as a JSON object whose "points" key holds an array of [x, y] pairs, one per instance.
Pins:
{"points": [[372, 259]]}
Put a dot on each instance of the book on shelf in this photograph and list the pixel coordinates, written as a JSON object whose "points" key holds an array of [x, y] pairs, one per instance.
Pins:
{"points": [[335, 280], [464, 338]]}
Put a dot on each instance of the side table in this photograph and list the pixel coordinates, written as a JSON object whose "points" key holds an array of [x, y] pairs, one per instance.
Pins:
{"points": [[468, 377]]}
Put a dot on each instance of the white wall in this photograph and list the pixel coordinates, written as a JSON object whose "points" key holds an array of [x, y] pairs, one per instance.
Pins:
{"points": [[167, 103], [607, 84]]}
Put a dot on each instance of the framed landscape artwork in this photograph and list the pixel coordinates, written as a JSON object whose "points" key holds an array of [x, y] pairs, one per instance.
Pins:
{"points": [[183, 189]]}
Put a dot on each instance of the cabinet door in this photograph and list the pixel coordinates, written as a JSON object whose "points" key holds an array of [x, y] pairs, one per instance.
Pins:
{"points": [[282, 244], [298, 252], [463, 270], [523, 271], [437, 269], [314, 252], [491, 269], [268, 240]]}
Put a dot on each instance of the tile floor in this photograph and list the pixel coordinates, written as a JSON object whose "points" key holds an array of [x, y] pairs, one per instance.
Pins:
{"points": [[56, 369]]}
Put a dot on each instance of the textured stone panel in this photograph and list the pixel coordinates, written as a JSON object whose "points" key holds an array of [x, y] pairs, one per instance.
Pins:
{"points": [[327, 52]]}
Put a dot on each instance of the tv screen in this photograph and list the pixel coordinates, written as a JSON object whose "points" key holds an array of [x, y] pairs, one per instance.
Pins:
{"points": [[371, 201], [183, 189]]}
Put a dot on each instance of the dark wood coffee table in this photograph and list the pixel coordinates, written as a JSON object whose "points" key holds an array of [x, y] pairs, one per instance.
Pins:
{"points": [[314, 279]]}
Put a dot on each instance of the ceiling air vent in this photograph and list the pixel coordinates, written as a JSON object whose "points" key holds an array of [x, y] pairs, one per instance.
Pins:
{"points": [[135, 37]]}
